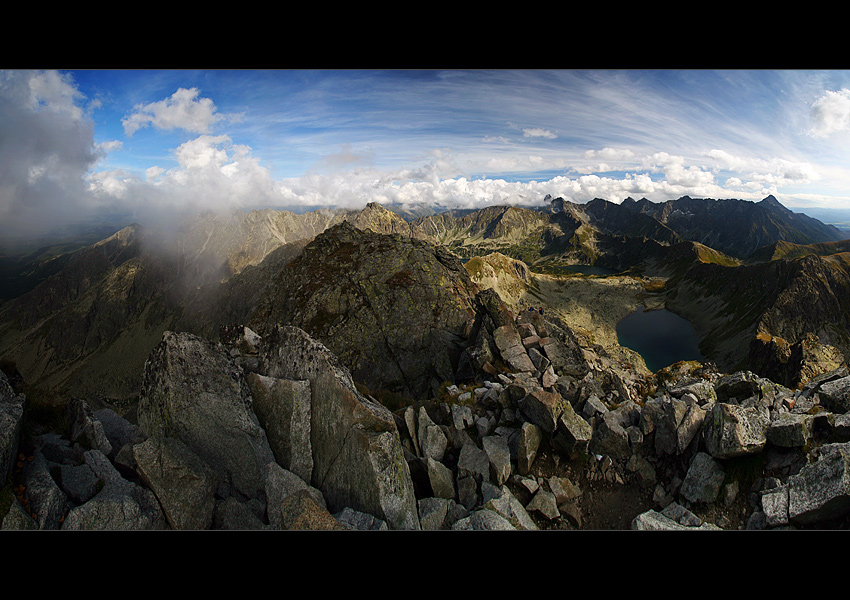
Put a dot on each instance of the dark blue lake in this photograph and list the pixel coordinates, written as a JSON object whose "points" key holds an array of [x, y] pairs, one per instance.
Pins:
{"points": [[659, 336]]}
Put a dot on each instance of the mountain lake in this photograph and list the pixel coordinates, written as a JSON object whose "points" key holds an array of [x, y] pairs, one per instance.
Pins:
{"points": [[659, 336]]}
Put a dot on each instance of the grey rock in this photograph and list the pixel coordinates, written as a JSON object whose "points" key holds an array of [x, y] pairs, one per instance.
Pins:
{"points": [[510, 346], [119, 506], [499, 456], [593, 407], [119, 431], [433, 513], [483, 520], [544, 503], [473, 462], [231, 514], [47, 501], [193, 391], [573, 433], [184, 485], [775, 506], [301, 512], [283, 409], [704, 479], [835, 395], [281, 483], [467, 491], [543, 408], [652, 520], [790, 430], [85, 428], [733, 430], [358, 460], [441, 479], [821, 490], [78, 482], [505, 504], [563, 489], [462, 416], [432, 440], [360, 521], [528, 442], [643, 470], [610, 439]]}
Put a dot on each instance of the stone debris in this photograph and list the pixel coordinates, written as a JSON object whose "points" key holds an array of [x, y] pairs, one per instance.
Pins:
{"points": [[272, 433]]}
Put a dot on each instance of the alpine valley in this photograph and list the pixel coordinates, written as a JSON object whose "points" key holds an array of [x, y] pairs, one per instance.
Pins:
{"points": [[386, 368]]}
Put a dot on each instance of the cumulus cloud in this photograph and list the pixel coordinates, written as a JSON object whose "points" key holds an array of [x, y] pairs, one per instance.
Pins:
{"points": [[46, 148], [182, 110], [831, 113]]}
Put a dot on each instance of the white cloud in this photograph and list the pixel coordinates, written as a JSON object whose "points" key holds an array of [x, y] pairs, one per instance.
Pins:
{"points": [[183, 110], [535, 132], [831, 113], [46, 149], [611, 154]]}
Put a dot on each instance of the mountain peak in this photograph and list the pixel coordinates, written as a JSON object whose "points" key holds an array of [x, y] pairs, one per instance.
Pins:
{"points": [[771, 201]]}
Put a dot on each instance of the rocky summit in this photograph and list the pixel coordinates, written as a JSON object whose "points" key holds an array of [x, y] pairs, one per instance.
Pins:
{"points": [[350, 371]]}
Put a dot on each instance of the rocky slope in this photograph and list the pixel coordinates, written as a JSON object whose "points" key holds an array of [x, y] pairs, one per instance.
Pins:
{"points": [[382, 383], [272, 433]]}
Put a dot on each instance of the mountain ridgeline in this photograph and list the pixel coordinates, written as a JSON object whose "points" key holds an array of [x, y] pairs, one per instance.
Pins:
{"points": [[360, 369], [379, 289]]}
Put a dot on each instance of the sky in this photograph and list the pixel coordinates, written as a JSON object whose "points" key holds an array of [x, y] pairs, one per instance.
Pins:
{"points": [[148, 144]]}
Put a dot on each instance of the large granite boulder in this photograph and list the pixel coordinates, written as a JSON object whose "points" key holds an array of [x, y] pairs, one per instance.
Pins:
{"points": [[358, 460], [184, 485], [283, 409], [732, 430], [193, 391]]}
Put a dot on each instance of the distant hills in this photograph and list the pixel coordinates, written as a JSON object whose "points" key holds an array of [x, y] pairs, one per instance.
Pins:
{"points": [[83, 320]]}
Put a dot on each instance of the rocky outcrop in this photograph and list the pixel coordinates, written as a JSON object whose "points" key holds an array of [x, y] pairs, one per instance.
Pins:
{"points": [[357, 457], [193, 391], [393, 309]]}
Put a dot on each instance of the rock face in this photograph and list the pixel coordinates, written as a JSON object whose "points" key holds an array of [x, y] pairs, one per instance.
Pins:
{"points": [[391, 308], [357, 457], [193, 391]]}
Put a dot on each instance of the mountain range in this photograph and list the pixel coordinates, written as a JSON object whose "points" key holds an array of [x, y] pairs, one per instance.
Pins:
{"points": [[83, 322]]}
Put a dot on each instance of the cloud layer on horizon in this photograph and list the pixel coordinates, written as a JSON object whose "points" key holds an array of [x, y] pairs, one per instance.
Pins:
{"points": [[52, 171]]}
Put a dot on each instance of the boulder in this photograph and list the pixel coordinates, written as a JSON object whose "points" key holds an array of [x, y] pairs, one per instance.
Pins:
{"points": [[835, 395], [528, 442], [509, 344], [704, 479], [85, 428], [499, 455], [193, 391], [573, 433], [610, 438], [120, 505], [432, 440], [358, 460], [283, 410], [299, 511], [821, 490], [47, 503], [184, 485], [790, 430], [543, 408], [733, 430]]}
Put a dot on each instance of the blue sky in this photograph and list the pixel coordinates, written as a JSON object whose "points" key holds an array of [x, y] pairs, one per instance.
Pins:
{"points": [[76, 143]]}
